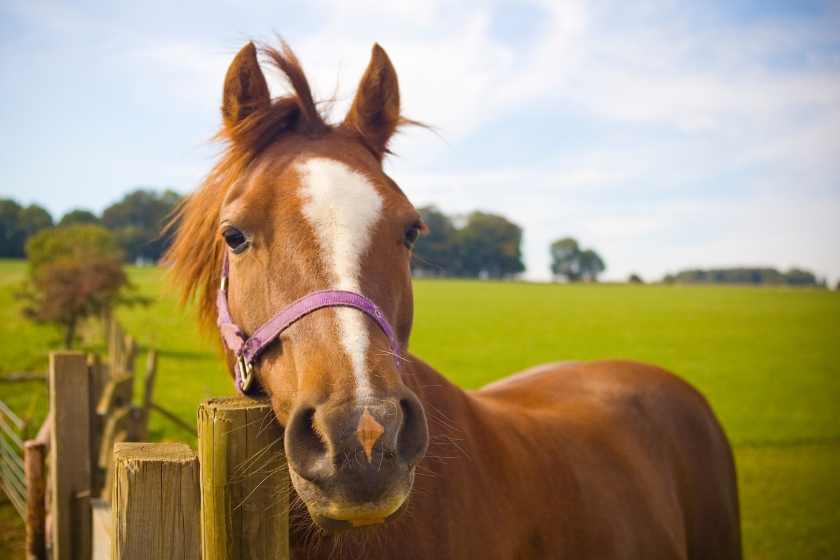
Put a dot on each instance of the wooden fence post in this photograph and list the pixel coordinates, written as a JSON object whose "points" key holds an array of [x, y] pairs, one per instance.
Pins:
{"points": [[244, 481], [70, 468], [148, 387], [95, 388], [101, 533], [116, 423], [34, 454], [155, 506]]}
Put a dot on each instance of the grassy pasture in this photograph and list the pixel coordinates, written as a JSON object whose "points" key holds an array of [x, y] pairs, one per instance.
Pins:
{"points": [[767, 359]]}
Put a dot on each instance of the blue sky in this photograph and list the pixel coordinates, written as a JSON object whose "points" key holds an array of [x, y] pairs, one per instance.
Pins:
{"points": [[664, 134]]}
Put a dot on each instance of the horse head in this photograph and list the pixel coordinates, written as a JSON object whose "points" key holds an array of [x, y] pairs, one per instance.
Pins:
{"points": [[294, 207]]}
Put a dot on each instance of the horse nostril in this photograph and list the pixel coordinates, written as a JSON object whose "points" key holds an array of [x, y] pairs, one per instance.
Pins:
{"points": [[305, 446], [413, 437]]}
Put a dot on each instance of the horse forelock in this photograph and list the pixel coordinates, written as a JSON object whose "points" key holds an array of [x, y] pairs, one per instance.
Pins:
{"points": [[197, 253]]}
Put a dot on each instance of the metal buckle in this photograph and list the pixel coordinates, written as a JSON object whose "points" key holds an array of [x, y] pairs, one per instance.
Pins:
{"points": [[224, 284], [246, 373]]}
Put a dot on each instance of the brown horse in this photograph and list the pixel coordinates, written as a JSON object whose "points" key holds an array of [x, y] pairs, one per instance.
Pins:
{"points": [[567, 460]]}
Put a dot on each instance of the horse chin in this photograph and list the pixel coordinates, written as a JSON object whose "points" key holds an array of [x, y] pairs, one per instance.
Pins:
{"points": [[341, 525], [338, 515]]}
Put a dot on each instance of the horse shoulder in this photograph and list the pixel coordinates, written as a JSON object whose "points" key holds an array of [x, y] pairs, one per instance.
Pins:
{"points": [[611, 388], [623, 425]]}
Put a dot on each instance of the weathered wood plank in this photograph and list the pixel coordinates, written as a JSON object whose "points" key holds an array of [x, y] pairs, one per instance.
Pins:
{"points": [[243, 480], [148, 388], [116, 394], [119, 421], [101, 529], [155, 505], [34, 454], [96, 385], [70, 469]]}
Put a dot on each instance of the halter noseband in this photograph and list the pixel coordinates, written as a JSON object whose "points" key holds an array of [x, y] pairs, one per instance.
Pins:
{"points": [[248, 349]]}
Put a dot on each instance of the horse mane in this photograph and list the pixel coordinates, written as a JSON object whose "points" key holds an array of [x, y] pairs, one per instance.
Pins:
{"points": [[197, 253]]}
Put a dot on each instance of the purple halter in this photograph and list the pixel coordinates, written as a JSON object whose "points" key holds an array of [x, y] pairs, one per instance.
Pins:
{"points": [[248, 349]]}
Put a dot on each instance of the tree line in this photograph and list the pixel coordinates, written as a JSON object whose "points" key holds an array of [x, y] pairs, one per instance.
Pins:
{"points": [[482, 245], [793, 277], [136, 224], [489, 246], [485, 246], [478, 245]]}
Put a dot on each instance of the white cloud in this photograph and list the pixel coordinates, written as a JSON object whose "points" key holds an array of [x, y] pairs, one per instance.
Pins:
{"points": [[622, 227], [55, 16], [672, 139]]}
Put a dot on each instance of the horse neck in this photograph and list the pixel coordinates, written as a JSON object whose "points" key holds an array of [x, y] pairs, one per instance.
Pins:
{"points": [[449, 409]]}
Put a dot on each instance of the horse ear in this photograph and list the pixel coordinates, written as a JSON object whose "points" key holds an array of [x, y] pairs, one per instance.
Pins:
{"points": [[375, 114], [245, 88]]}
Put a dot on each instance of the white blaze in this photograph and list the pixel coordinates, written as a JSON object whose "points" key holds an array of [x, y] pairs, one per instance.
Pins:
{"points": [[343, 207]]}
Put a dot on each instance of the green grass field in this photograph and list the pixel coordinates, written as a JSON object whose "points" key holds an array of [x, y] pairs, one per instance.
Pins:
{"points": [[767, 359]]}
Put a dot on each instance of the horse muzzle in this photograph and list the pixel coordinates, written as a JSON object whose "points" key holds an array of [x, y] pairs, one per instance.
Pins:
{"points": [[353, 463]]}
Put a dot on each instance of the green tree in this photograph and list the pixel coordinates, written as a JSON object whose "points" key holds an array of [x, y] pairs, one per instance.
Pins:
{"points": [[591, 264], [138, 222], [436, 253], [78, 217], [799, 277], [33, 219], [17, 224], [489, 246], [567, 259], [12, 236], [74, 272], [746, 276]]}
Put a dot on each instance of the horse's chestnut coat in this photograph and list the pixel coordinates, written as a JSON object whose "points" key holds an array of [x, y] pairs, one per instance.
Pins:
{"points": [[568, 460]]}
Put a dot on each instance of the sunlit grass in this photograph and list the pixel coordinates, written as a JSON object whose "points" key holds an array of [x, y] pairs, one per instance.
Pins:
{"points": [[767, 360]]}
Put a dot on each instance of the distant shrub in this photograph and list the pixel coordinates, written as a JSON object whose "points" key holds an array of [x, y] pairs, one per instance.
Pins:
{"points": [[794, 276], [17, 224], [138, 223], [78, 217], [568, 260], [74, 273], [486, 246]]}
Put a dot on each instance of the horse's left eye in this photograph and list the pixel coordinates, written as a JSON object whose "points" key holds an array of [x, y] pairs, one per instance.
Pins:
{"points": [[411, 236], [235, 240]]}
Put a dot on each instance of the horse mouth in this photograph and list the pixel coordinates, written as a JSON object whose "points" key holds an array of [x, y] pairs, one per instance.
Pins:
{"points": [[341, 525], [339, 514]]}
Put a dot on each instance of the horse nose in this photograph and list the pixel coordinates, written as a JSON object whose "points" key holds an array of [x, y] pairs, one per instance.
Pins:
{"points": [[321, 440]]}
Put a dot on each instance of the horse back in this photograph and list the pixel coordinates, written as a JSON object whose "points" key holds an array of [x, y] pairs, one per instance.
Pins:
{"points": [[650, 463]]}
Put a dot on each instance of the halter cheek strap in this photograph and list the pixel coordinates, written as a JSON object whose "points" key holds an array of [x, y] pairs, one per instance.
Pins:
{"points": [[247, 349]]}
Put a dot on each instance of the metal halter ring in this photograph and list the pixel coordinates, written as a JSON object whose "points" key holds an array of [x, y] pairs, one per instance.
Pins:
{"points": [[246, 373]]}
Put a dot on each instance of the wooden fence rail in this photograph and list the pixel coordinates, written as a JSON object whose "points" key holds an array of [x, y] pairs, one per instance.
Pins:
{"points": [[229, 502], [35, 455], [155, 505], [243, 477], [12, 475], [244, 481], [70, 468]]}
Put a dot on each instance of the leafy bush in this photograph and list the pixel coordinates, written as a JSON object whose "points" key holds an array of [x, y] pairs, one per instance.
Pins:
{"points": [[17, 224], [575, 264], [487, 246], [744, 276], [74, 273]]}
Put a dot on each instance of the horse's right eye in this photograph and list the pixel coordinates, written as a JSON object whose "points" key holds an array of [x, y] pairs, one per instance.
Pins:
{"points": [[235, 240]]}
